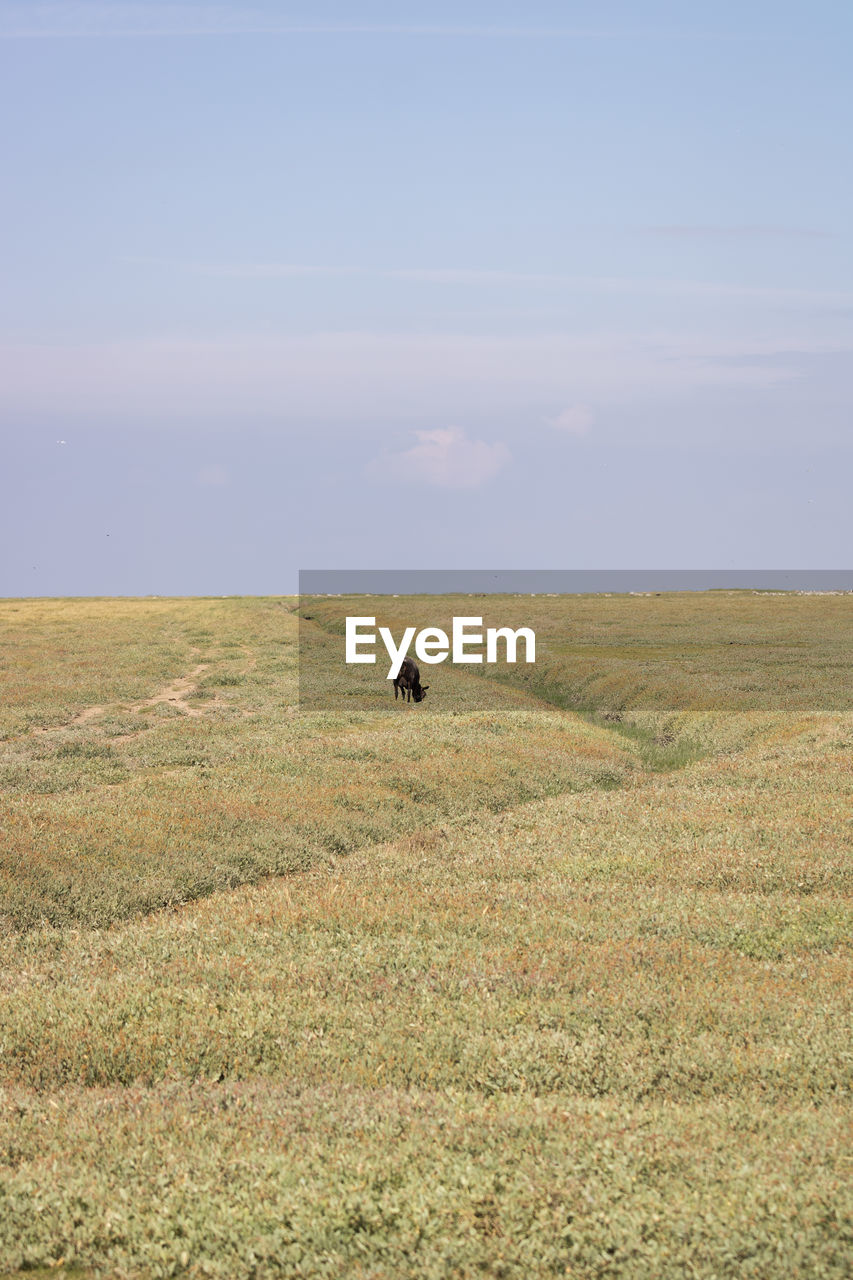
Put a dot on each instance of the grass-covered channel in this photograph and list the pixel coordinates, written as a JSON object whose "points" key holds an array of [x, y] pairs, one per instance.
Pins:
{"points": [[552, 980]]}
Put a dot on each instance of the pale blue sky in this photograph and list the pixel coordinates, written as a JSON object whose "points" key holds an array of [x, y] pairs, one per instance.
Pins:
{"points": [[376, 284]]}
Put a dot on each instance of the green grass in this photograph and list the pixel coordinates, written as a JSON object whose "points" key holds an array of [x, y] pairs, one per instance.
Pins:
{"points": [[501, 990], [143, 805], [616, 655]]}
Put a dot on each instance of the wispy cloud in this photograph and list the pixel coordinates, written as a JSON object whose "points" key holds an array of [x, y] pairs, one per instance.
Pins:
{"points": [[574, 420], [93, 20], [383, 378], [444, 457], [475, 277], [212, 476], [424, 275], [261, 270], [686, 231], [81, 19]]}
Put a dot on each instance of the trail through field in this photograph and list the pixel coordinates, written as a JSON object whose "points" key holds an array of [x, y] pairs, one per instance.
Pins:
{"points": [[89, 713], [174, 694]]}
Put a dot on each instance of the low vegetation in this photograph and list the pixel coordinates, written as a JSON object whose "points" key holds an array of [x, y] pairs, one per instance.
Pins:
{"points": [[551, 994]]}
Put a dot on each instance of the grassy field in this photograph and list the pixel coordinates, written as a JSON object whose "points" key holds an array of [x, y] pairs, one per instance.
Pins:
{"points": [[544, 977]]}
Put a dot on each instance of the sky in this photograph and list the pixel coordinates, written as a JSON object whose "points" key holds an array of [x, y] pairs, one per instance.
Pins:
{"points": [[382, 285]]}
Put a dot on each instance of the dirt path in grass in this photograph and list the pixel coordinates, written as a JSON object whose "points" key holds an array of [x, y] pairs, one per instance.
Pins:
{"points": [[88, 714], [174, 694]]}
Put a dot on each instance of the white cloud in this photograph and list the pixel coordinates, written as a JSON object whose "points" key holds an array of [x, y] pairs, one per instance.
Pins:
{"points": [[575, 420], [445, 457]]}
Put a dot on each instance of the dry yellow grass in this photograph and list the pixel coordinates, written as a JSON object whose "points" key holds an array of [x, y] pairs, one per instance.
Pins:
{"points": [[560, 1011]]}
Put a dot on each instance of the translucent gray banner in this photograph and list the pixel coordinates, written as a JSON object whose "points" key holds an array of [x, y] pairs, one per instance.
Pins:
{"points": [[565, 581], [610, 645]]}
